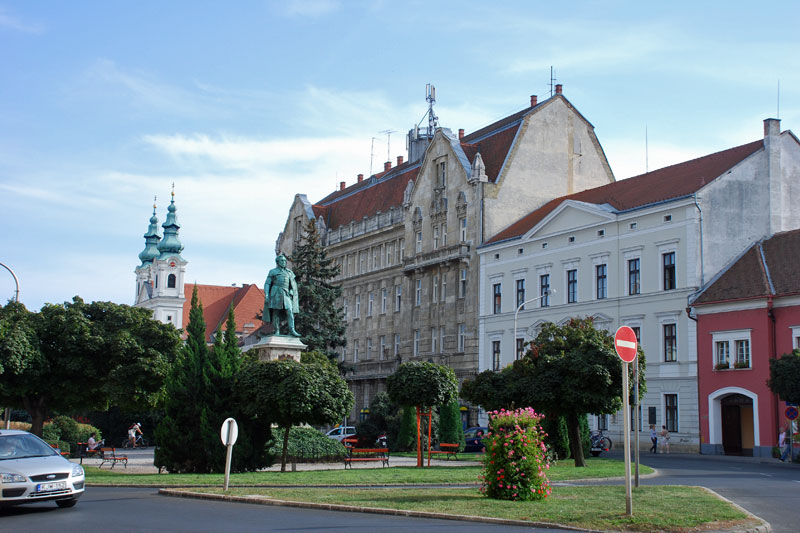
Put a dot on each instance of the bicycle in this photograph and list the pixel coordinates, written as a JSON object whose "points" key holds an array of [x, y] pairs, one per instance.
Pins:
{"points": [[600, 443], [140, 442]]}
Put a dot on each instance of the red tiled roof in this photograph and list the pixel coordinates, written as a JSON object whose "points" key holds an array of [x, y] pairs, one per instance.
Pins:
{"points": [[750, 275], [671, 182], [494, 150], [216, 299]]}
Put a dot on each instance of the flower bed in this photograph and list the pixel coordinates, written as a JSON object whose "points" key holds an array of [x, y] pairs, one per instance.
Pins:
{"points": [[515, 464]]}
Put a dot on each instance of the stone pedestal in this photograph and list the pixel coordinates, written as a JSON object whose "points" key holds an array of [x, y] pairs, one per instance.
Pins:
{"points": [[277, 347]]}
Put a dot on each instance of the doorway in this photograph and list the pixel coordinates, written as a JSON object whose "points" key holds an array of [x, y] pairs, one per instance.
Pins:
{"points": [[737, 425]]}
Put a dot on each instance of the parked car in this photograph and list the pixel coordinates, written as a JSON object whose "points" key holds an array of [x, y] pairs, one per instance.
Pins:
{"points": [[32, 471], [474, 439], [341, 432]]}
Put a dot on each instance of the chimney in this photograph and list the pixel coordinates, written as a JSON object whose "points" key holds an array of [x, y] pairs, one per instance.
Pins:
{"points": [[387, 166], [399, 160], [779, 208], [360, 178], [460, 133], [534, 100], [342, 185], [559, 87]]}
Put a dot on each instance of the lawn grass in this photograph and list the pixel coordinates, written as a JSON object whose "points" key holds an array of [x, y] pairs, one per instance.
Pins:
{"points": [[564, 471], [655, 508]]}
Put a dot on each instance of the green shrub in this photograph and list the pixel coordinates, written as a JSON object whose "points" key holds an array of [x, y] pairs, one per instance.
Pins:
{"points": [[557, 438], [515, 464], [51, 432], [407, 436], [307, 445], [62, 445], [72, 431], [451, 430], [586, 439]]}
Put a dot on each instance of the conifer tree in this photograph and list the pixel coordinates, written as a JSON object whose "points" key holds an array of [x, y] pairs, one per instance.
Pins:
{"points": [[451, 430], [320, 322]]}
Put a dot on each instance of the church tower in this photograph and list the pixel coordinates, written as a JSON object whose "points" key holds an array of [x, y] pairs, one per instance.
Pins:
{"points": [[159, 279]]}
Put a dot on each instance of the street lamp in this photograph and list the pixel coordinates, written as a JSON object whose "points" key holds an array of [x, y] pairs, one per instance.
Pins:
{"points": [[547, 293], [16, 299]]}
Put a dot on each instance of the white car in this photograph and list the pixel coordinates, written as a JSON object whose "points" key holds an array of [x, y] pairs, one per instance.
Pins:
{"points": [[341, 432], [32, 471]]}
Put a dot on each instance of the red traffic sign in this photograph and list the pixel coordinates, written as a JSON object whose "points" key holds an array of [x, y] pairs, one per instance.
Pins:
{"points": [[625, 343], [791, 413]]}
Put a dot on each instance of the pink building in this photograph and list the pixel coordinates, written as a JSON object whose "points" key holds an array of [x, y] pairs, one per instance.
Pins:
{"points": [[748, 314]]}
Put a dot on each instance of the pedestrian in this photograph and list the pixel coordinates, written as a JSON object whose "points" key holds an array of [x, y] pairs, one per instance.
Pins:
{"points": [[653, 439], [664, 439], [136, 428], [784, 443]]}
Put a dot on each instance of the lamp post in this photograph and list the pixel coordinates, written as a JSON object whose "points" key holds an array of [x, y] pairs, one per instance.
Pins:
{"points": [[547, 293], [16, 299]]}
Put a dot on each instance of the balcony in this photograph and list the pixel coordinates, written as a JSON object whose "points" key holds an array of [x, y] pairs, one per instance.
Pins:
{"points": [[457, 252]]}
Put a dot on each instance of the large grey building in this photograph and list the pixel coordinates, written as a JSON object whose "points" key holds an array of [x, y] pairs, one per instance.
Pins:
{"points": [[406, 238]]}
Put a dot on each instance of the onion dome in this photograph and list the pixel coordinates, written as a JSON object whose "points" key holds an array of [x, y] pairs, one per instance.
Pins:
{"points": [[151, 239], [170, 244]]}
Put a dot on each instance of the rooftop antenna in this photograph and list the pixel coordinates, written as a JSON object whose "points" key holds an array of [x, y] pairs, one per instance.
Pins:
{"points": [[553, 80], [646, 152], [371, 155], [430, 97], [779, 100], [388, 134]]}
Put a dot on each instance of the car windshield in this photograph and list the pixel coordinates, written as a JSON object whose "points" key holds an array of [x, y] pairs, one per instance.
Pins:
{"points": [[22, 446]]}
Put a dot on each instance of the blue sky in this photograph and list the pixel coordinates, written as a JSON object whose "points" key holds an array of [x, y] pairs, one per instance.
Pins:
{"points": [[244, 104]]}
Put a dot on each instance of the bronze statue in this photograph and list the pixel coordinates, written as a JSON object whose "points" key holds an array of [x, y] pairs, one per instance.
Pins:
{"points": [[280, 297]]}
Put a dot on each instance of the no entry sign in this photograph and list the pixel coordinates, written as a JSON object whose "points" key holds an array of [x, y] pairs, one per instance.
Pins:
{"points": [[625, 344], [791, 413]]}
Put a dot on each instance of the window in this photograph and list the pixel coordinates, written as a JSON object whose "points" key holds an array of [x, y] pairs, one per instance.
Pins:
{"points": [[742, 354], [169, 318], [544, 245], [362, 262], [383, 300], [156, 282], [602, 422], [376, 257], [444, 287], [382, 347], [435, 289], [462, 223], [418, 292], [722, 354], [668, 262], [369, 348], [435, 237], [544, 290], [634, 277], [355, 351], [389, 253], [636, 332], [441, 338], [396, 344], [433, 340], [416, 342], [370, 302], [442, 181], [520, 348], [358, 306], [571, 239], [667, 218], [398, 296], [462, 285], [601, 275], [632, 225], [671, 412], [401, 250], [462, 335], [344, 308], [495, 355], [171, 281], [520, 251], [670, 343], [497, 298], [572, 286], [520, 293], [344, 353], [444, 234], [419, 242], [601, 233]]}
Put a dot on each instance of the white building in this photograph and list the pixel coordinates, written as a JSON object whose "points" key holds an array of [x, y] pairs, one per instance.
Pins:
{"points": [[631, 253]]}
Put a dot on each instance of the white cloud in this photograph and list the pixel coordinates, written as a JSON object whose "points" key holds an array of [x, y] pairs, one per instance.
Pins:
{"points": [[13, 23], [310, 8]]}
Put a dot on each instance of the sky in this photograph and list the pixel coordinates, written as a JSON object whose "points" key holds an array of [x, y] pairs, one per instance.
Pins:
{"points": [[241, 105]]}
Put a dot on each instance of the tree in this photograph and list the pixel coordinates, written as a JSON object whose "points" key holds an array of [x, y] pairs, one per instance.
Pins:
{"points": [[784, 377], [77, 356], [424, 386], [320, 321], [288, 393], [568, 371], [450, 427]]}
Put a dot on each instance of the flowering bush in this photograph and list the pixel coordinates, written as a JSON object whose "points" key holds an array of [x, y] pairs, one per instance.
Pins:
{"points": [[515, 464]]}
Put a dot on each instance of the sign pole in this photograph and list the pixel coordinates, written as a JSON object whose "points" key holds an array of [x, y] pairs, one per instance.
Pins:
{"points": [[636, 420], [627, 439], [229, 447]]}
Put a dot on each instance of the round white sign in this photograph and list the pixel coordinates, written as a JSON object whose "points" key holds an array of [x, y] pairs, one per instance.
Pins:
{"points": [[234, 431]]}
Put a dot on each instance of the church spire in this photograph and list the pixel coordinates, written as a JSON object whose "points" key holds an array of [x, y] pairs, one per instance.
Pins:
{"points": [[151, 239], [170, 244]]}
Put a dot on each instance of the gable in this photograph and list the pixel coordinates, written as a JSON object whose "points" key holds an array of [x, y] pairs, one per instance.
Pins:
{"points": [[571, 216]]}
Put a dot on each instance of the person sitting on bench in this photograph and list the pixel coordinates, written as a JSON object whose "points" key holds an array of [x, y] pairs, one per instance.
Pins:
{"points": [[92, 444]]}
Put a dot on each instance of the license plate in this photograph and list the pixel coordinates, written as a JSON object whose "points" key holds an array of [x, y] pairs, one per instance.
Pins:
{"points": [[46, 487]]}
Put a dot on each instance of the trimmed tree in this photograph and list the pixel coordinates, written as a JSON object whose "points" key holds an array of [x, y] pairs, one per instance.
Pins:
{"points": [[289, 393], [451, 429], [422, 385], [319, 320], [784, 377]]}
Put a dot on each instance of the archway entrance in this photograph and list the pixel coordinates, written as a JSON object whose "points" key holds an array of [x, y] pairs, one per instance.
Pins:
{"points": [[737, 425]]}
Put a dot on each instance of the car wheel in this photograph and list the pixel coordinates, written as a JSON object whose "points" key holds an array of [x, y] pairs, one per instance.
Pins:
{"points": [[67, 503]]}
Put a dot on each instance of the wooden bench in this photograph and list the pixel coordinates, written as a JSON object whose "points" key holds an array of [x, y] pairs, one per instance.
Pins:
{"points": [[450, 450], [56, 448], [84, 451], [364, 454], [109, 455]]}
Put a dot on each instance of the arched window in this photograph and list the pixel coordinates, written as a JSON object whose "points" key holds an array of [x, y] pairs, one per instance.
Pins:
{"points": [[171, 281]]}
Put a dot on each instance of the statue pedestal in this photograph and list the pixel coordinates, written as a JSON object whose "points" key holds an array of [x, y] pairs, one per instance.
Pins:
{"points": [[277, 347]]}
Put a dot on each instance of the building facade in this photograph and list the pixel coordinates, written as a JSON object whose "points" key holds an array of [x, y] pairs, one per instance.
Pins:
{"points": [[746, 316], [632, 253], [406, 239]]}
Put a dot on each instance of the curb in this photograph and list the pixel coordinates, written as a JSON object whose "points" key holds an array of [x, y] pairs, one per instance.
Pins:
{"points": [[259, 500], [764, 527]]}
